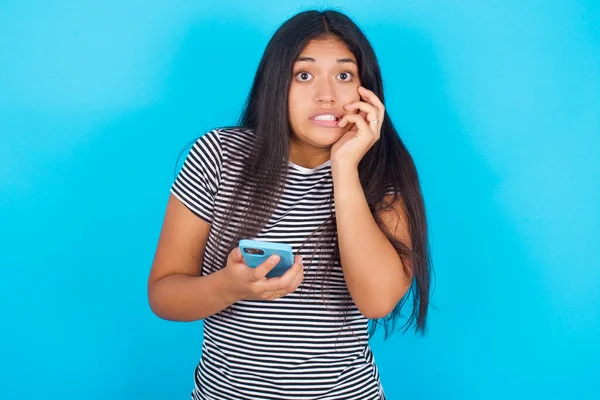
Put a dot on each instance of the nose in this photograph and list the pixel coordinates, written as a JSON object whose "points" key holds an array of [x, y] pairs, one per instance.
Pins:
{"points": [[325, 92]]}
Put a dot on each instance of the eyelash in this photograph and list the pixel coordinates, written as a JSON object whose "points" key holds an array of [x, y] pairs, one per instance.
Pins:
{"points": [[306, 72]]}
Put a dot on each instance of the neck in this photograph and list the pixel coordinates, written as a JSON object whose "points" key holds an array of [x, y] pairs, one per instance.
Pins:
{"points": [[307, 156]]}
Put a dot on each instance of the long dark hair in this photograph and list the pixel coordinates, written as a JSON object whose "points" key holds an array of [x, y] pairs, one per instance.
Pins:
{"points": [[387, 165]]}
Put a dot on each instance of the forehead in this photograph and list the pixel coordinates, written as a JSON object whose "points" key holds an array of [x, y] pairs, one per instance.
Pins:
{"points": [[326, 49]]}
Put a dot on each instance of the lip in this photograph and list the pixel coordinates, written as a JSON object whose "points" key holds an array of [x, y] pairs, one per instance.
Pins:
{"points": [[326, 124], [338, 115]]}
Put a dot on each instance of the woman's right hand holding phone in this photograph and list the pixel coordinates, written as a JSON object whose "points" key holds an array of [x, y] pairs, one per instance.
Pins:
{"points": [[248, 283]]}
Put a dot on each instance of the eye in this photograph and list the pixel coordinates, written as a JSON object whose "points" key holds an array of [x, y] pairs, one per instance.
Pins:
{"points": [[303, 76], [345, 76]]}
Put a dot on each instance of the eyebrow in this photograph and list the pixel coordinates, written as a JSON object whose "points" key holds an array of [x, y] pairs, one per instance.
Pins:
{"points": [[339, 60]]}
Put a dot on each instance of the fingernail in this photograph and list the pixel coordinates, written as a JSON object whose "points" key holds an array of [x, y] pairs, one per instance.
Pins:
{"points": [[274, 259], [300, 259]]}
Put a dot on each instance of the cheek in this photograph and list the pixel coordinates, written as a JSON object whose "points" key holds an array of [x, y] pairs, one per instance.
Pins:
{"points": [[292, 110], [297, 107], [295, 115], [350, 95]]}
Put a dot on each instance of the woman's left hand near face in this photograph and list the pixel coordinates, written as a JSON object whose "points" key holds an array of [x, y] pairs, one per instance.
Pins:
{"points": [[354, 144]]}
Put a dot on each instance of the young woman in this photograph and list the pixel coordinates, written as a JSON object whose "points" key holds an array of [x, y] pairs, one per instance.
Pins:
{"points": [[317, 164]]}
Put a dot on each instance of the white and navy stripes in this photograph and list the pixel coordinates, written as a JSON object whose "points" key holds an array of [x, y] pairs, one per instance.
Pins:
{"points": [[295, 347]]}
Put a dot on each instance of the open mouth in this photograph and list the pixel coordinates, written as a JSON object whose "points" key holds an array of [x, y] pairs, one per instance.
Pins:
{"points": [[331, 122], [327, 118]]}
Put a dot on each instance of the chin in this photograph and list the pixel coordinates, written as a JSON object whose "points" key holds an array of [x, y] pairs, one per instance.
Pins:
{"points": [[325, 137], [319, 137]]}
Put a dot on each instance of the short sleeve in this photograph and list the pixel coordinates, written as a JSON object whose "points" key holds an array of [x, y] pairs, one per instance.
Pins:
{"points": [[197, 183], [390, 190]]}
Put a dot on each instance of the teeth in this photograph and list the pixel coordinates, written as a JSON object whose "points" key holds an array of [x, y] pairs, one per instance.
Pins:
{"points": [[326, 118]]}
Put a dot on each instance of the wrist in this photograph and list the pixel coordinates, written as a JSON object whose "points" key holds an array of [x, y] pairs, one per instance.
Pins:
{"points": [[224, 288], [344, 168], [345, 178]]}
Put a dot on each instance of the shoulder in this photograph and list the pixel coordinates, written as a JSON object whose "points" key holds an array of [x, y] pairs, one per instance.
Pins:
{"points": [[222, 143], [234, 138]]}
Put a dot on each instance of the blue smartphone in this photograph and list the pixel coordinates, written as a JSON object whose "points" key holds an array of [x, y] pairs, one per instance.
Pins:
{"points": [[256, 252]]}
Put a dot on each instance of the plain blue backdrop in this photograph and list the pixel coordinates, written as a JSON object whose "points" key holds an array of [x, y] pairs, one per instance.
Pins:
{"points": [[498, 101]]}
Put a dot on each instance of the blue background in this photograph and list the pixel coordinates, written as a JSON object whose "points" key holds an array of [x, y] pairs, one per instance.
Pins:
{"points": [[498, 101]]}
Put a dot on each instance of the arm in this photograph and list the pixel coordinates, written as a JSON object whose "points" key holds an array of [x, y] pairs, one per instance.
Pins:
{"points": [[175, 289], [177, 292], [372, 268]]}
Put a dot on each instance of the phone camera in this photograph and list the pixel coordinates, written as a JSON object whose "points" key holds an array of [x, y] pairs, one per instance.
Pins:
{"points": [[254, 251]]}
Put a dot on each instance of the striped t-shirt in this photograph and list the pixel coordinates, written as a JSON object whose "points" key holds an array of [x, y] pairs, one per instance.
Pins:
{"points": [[295, 347]]}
